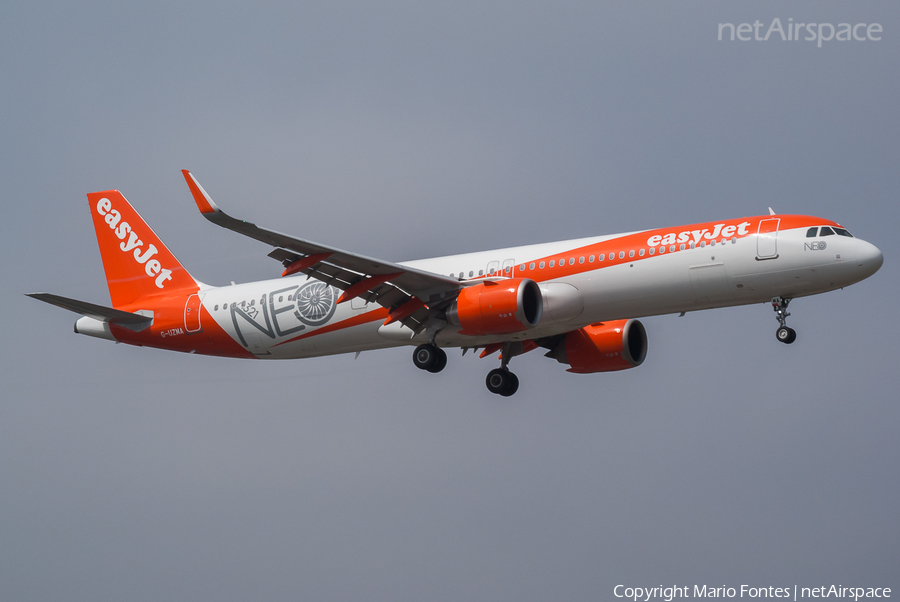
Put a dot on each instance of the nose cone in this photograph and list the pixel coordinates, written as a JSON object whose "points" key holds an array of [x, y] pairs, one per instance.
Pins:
{"points": [[869, 258]]}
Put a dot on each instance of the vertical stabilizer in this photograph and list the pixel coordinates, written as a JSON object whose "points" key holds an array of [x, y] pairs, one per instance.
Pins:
{"points": [[136, 262]]}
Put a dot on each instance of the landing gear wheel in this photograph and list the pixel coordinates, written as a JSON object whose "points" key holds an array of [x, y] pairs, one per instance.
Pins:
{"points": [[502, 382], [786, 335], [429, 357], [441, 362], [513, 385], [783, 334]]}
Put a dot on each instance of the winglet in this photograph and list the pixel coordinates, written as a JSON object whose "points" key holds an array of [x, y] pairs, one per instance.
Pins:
{"points": [[203, 200], [771, 212]]}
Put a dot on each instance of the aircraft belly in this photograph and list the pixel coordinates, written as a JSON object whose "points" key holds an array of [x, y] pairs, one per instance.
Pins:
{"points": [[709, 283], [658, 285]]}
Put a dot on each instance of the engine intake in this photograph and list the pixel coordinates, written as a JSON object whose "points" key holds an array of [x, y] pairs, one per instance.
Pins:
{"points": [[497, 307], [603, 347]]}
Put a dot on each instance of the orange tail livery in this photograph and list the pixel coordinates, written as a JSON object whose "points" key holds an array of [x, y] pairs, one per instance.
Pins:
{"points": [[136, 261]]}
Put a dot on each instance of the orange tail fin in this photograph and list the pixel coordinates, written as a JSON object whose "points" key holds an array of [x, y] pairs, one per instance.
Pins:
{"points": [[136, 262]]}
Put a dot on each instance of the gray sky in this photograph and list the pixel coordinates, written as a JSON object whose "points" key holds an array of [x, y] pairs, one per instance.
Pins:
{"points": [[406, 130]]}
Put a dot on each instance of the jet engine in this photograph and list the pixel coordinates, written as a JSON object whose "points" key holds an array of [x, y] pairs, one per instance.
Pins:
{"points": [[497, 307], [603, 347]]}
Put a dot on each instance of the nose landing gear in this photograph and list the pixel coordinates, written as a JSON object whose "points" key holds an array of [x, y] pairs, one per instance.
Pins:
{"points": [[783, 334]]}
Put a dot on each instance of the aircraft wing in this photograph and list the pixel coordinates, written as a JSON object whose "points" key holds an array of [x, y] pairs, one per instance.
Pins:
{"points": [[413, 297]]}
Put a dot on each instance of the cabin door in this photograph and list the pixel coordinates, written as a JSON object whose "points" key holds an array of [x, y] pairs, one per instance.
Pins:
{"points": [[767, 239]]}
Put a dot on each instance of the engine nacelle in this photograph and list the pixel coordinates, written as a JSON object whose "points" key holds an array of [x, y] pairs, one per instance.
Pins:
{"points": [[497, 307], [603, 347]]}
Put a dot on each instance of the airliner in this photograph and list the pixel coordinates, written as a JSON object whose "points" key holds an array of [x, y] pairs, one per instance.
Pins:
{"points": [[579, 300]]}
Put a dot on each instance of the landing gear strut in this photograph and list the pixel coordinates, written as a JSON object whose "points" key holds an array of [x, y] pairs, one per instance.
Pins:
{"points": [[430, 357], [783, 334], [500, 380]]}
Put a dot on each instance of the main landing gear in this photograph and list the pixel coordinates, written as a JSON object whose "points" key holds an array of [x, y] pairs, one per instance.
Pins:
{"points": [[500, 380], [430, 357], [783, 334]]}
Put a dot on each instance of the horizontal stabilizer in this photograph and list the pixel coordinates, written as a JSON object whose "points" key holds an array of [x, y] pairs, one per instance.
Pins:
{"points": [[98, 312]]}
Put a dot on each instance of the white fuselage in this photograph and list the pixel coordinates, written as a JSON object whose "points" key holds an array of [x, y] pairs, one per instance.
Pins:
{"points": [[267, 320]]}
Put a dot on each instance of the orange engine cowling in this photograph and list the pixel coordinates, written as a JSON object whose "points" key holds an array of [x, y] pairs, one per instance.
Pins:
{"points": [[500, 307], [603, 347]]}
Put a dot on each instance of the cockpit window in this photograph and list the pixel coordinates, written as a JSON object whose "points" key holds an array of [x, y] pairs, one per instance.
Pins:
{"points": [[826, 231], [811, 233], [842, 232]]}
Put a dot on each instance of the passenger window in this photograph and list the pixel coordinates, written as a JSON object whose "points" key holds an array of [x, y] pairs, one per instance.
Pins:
{"points": [[552, 263], [531, 266], [631, 253], [621, 254], [571, 261], [481, 272], [542, 265], [581, 260], [652, 250], [216, 308], [672, 248], [591, 259], [811, 233], [601, 257], [641, 252], [826, 231], [471, 273]]}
